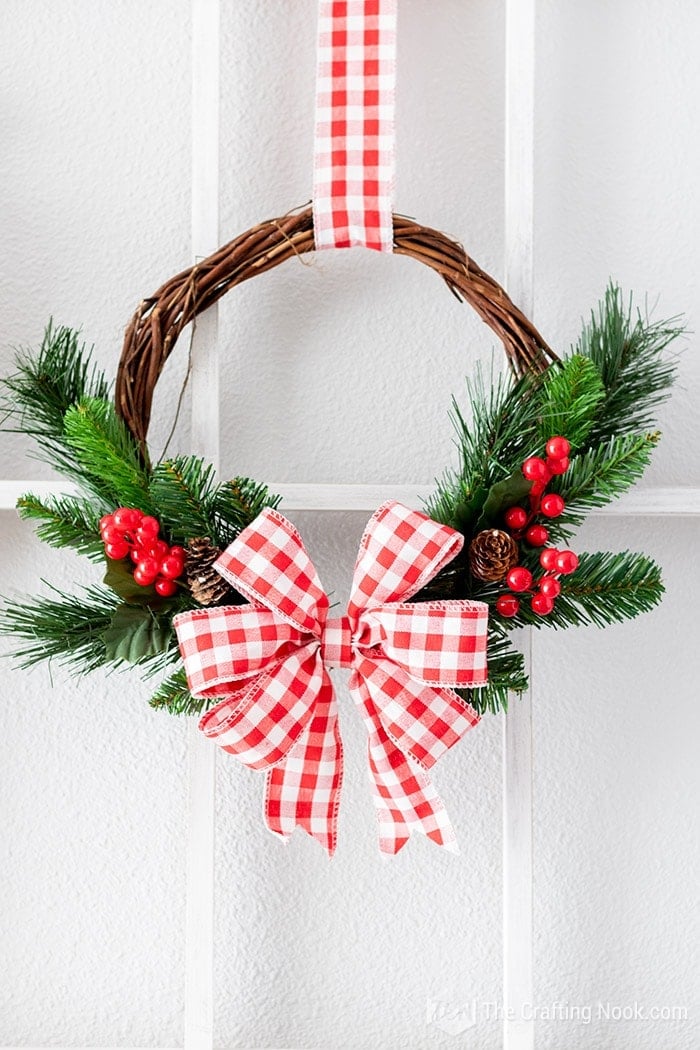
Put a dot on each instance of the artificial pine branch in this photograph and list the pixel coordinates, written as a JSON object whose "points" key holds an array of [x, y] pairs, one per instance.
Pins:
{"points": [[627, 350], [65, 521], [606, 588], [570, 395], [107, 454], [236, 504], [183, 489], [501, 429], [174, 696], [598, 476], [69, 628], [46, 384]]}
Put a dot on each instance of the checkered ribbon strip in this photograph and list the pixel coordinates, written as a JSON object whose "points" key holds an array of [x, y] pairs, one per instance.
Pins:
{"points": [[354, 130], [267, 664]]}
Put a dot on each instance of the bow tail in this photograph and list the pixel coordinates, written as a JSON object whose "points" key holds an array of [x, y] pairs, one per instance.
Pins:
{"points": [[304, 790], [404, 797]]}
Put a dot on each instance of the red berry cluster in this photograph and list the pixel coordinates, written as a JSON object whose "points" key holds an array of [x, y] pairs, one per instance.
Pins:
{"points": [[131, 533], [545, 590], [521, 524]]}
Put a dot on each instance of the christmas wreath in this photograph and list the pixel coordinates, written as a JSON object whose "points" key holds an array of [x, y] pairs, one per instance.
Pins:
{"points": [[539, 447]]}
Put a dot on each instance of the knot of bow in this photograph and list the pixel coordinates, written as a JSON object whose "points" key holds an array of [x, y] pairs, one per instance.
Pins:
{"points": [[268, 661]]}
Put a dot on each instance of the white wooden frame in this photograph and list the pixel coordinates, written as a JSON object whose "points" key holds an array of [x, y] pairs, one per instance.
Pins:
{"points": [[517, 756]]}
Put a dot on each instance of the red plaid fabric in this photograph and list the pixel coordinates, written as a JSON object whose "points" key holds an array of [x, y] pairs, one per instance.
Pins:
{"points": [[269, 661], [354, 130]]}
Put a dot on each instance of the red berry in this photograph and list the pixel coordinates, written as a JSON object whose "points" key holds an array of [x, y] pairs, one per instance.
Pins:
{"points": [[143, 579], [160, 549], [178, 552], [507, 605], [541, 604], [136, 554], [548, 558], [171, 567], [558, 466], [537, 535], [165, 588], [550, 587], [148, 566], [552, 505], [145, 538], [515, 518], [519, 578], [149, 525], [535, 469], [557, 447], [105, 520], [117, 550], [567, 562], [127, 518], [111, 534]]}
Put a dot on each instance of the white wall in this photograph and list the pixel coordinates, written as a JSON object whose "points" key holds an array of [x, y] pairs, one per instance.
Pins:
{"points": [[94, 191]]}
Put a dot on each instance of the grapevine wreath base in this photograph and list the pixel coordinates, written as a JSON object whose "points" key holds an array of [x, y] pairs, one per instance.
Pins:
{"points": [[539, 447]]}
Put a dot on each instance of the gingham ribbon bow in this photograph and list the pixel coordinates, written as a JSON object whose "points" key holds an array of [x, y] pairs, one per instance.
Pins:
{"points": [[269, 662]]}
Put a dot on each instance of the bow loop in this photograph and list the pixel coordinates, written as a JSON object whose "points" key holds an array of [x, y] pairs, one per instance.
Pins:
{"points": [[269, 565], [401, 550]]}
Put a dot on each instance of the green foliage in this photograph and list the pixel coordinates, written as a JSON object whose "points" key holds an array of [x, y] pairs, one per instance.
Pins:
{"points": [[236, 504], [68, 628], [174, 696], [183, 490], [606, 588], [503, 494], [136, 634], [500, 433], [65, 521], [106, 454], [46, 384], [190, 503], [627, 350], [598, 476], [570, 396]]}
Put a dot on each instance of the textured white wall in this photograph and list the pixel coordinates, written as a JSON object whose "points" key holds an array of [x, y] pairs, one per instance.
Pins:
{"points": [[94, 191]]}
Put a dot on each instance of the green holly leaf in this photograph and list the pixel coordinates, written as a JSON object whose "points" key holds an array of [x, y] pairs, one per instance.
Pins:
{"points": [[120, 578], [468, 509], [504, 494], [135, 634]]}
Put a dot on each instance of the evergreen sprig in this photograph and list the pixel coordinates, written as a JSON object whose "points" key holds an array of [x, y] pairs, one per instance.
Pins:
{"points": [[173, 696], [107, 454], [629, 351], [45, 386], [68, 628], [65, 521], [607, 587], [599, 476], [236, 504], [183, 490]]}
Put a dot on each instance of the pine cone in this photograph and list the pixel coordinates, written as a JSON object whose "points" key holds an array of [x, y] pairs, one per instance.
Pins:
{"points": [[491, 554], [207, 587]]}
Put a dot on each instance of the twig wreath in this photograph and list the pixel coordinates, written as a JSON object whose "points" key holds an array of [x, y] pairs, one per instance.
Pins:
{"points": [[539, 448]]}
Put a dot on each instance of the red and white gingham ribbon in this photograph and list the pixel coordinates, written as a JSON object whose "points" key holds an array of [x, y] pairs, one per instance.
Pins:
{"points": [[269, 663], [354, 129]]}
